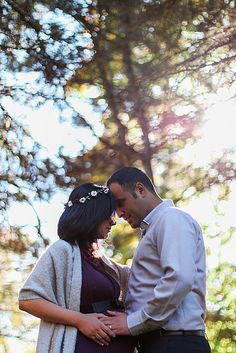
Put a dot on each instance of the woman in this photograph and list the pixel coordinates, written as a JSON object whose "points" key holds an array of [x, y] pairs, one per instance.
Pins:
{"points": [[73, 285]]}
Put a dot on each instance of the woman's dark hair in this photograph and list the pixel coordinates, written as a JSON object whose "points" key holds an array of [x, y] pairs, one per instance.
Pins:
{"points": [[129, 176], [80, 220]]}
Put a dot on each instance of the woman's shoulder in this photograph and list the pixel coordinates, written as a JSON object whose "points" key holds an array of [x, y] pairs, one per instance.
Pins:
{"points": [[61, 247]]}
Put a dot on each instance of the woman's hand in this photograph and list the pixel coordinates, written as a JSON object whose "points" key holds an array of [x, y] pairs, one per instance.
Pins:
{"points": [[92, 327], [88, 324]]}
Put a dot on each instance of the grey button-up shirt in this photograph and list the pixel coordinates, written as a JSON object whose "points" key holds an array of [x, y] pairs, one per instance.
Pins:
{"points": [[167, 279]]}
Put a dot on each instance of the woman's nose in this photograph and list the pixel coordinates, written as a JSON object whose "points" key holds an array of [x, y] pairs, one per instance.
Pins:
{"points": [[112, 220]]}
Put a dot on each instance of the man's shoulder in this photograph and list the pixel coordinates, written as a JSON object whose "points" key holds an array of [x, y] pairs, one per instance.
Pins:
{"points": [[179, 216], [176, 211]]}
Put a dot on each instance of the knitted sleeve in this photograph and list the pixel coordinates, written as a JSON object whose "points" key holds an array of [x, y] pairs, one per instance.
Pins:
{"points": [[51, 277]]}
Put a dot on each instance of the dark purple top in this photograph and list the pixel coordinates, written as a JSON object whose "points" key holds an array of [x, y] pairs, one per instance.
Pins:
{"points": [[97, 285]]}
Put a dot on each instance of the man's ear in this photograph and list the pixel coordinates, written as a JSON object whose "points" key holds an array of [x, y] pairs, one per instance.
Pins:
{"points": [[140, 189]]}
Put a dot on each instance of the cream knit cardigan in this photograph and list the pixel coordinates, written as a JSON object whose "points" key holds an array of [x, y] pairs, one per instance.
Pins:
{"points": [[57, 277]]}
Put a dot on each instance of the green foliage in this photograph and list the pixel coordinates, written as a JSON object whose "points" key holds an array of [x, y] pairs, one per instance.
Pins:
{"points": [[24, 177], [221, 326], [122, 243], [150, 70], [149, 62], [14, 269], [23, 172]]}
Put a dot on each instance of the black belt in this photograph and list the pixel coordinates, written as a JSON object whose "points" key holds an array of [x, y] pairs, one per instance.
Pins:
{"points": [[160, 333], [102, 306], [182, 333]]}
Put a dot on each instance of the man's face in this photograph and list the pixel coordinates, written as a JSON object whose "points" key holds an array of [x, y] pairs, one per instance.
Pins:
{"points": [[127, 206]]}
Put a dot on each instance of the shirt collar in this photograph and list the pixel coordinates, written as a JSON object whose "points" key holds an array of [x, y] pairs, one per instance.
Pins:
{"points": [[154, 214], [143, 227]]}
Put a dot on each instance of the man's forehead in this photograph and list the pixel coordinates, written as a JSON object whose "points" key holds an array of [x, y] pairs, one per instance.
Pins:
{"points": [[117, 190]]}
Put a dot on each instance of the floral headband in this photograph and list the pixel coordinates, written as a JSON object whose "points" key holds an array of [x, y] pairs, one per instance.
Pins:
{"points": [[91, 194]]}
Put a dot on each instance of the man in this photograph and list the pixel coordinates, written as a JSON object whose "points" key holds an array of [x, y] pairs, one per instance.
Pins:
{"points": [[165, 302]]}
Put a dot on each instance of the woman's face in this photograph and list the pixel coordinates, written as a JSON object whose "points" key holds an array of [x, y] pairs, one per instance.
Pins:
{"points": [[105, 227]]}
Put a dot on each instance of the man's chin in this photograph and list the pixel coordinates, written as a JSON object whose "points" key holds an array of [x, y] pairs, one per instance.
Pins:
{"points": [[134, 224]]}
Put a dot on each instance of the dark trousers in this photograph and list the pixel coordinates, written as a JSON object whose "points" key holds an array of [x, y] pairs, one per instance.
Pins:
{"points": [[174, 344]]}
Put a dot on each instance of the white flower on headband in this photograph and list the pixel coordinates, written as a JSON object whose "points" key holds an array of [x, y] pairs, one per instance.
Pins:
{"points": [[93, 193]]}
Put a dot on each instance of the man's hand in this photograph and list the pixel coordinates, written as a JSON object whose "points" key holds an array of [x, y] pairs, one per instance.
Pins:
{"points": [[117, 322], [91, 326]]}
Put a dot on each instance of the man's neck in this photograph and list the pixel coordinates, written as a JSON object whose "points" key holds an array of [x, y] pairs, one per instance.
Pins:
{"points": [[153, 202]]}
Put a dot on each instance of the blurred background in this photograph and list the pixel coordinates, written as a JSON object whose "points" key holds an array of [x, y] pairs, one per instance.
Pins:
{"points": [[90, 86]]}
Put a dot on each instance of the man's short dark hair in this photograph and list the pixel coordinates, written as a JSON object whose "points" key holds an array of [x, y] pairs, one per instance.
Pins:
{"points": [[129, 176]]}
